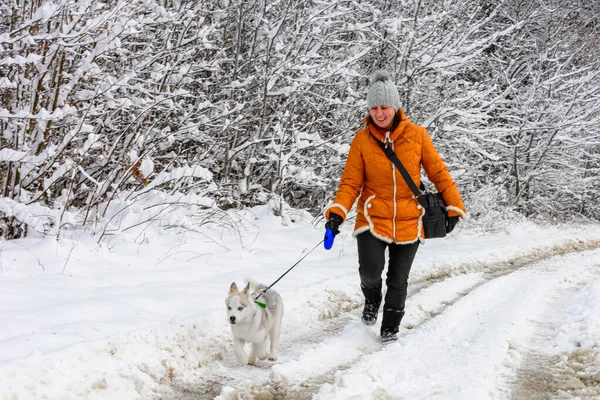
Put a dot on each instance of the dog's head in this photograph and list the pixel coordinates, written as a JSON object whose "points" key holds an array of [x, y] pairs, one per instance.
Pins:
{"points": [[238, 304]]}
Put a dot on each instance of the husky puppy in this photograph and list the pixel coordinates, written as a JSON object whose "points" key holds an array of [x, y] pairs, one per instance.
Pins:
{"points": [[251, 323]]}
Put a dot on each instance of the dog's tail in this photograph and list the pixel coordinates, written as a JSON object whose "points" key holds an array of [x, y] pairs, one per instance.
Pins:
{"points": [[254, 285]]}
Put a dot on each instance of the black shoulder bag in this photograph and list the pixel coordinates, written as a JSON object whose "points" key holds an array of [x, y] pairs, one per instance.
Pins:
{"points": [[434, 220]]}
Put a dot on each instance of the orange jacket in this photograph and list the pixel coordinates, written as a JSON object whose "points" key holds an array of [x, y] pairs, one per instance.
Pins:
{"points": [[387, 206]]}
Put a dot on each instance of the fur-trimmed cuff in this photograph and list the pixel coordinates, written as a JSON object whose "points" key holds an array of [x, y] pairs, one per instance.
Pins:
{"points": [[336, 205], [458, 210]]}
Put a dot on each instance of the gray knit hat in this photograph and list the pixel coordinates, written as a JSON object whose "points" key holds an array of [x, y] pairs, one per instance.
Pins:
{"points": [[383, 91]]}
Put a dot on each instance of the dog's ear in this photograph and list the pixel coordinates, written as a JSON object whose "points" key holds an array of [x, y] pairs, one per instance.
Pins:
{"points": [[246, 289], [233, 288]]}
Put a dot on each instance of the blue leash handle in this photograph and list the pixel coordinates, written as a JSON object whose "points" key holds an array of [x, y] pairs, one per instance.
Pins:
{"points": [[328, 241]]}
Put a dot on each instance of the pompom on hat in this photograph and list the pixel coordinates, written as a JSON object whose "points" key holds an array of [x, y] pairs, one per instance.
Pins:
{"points": [[383, 91]]}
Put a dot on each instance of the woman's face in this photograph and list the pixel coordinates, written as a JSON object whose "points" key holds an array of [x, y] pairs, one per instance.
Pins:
{"points": [[383, 116]]}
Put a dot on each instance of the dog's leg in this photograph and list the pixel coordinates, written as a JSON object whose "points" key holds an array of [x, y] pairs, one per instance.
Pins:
{"points": [[238, 350], [274, 336], [252, 357], [262, 349]]}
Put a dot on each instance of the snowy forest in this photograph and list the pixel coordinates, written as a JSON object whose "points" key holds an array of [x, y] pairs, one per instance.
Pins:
{"points": [[210, 105]]}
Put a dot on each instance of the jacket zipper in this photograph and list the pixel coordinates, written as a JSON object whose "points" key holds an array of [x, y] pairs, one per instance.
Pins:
{"points": [[387, 140]]}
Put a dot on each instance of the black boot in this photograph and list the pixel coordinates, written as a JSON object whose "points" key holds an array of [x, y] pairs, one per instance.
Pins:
{"points": [[372, 303], [390, 324]]}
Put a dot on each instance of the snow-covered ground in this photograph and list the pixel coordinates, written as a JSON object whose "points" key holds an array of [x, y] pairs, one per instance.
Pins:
{"points": [[513, 314]]}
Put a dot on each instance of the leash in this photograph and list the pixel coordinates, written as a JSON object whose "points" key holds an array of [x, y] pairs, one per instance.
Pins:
{"points": [[263, 305]]}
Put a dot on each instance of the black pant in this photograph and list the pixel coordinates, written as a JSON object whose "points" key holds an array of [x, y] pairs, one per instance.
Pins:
{"points": [[371, 260]]}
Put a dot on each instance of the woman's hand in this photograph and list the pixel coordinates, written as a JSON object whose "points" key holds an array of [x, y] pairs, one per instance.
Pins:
{"points": [[451, 223], [334, 223]]}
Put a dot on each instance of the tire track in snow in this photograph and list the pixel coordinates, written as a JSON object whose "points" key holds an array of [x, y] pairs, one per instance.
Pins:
{"points": [[471, 349], [545, 374], [228, 380]]}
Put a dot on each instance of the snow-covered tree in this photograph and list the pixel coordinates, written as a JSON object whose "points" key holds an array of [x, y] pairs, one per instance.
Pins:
{"points": [[243, 101]]}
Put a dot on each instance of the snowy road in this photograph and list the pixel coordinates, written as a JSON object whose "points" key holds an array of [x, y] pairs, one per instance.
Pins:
{"points": [[511, 315], [486, 333]]}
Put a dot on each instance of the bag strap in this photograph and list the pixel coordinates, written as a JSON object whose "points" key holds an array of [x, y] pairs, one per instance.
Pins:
{"points": [[418, 194]]}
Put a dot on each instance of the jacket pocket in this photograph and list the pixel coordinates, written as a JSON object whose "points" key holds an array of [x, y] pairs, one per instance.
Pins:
{"points": [[377, 207], [408, 209]]}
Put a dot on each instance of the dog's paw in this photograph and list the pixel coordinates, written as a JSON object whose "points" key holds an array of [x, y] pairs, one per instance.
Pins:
{"points": [[251, 363], [273, 358]]}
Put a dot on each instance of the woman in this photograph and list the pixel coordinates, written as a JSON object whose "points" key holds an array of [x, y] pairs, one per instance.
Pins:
{"points": [[388, 215]]}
